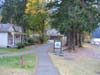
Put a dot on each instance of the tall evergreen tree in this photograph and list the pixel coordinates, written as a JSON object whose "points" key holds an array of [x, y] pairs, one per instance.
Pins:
{"points": [[73, 18]]}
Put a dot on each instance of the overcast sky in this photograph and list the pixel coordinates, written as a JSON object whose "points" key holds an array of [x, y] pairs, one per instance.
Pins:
{"points": [[2, 2]]}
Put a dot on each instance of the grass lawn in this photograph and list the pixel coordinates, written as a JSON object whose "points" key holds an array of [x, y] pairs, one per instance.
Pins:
{"points": [[15, 50], [12, 65], [12, 50]]}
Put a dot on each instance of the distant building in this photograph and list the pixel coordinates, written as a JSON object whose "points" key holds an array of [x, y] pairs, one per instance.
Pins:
{"points": [[53, 34]]}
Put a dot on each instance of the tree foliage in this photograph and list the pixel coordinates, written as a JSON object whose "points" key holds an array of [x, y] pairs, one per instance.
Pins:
{"points": [[13, 12], [36, 15]]}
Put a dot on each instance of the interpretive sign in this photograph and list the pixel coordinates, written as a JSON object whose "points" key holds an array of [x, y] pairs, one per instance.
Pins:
{"points": [[58, 44]]}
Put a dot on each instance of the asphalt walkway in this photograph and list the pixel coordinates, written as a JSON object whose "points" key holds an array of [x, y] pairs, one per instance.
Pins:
{"points": [[45, 65]]}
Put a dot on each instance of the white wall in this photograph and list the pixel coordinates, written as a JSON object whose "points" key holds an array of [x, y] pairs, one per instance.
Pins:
{"points": [[3, 39]]}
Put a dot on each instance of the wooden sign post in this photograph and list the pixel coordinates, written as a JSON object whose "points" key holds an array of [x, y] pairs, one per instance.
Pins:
{"points": [[22, 60]]}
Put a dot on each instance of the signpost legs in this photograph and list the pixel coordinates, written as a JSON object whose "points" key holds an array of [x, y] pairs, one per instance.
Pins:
{"points": [[61, 52]]}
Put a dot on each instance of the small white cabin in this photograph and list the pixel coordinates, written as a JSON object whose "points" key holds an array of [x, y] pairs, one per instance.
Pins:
{"points": [[10, 35]]}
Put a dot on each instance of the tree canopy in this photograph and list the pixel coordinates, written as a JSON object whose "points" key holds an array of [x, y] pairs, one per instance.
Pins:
{"points": [[13, 11]]}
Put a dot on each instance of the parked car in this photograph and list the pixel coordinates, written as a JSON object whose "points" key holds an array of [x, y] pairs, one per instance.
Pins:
{"points": [[95, 41]]}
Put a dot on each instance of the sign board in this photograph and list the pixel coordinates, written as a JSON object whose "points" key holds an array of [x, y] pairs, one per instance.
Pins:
{"points": [[57, 45]]}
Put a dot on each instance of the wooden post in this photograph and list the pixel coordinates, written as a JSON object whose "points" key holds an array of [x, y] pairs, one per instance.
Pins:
{"points": [[22, 60]]}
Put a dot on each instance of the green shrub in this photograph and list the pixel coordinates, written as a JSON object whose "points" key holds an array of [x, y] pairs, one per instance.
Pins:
{"points": [[20, 45], [26, 43], [36, 40], [44, 39], [31, 41]]}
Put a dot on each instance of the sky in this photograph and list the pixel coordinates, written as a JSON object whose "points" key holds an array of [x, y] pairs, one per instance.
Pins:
{"points": [[2, 2]]}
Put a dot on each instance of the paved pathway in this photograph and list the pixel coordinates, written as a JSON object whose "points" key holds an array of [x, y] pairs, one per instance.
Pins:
{"points": [[45, 65]]}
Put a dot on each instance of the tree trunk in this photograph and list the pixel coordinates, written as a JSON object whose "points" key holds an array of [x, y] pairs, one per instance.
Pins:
{"points": [[77, 39], [68, 43], [80, 39], [71, 40]]}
